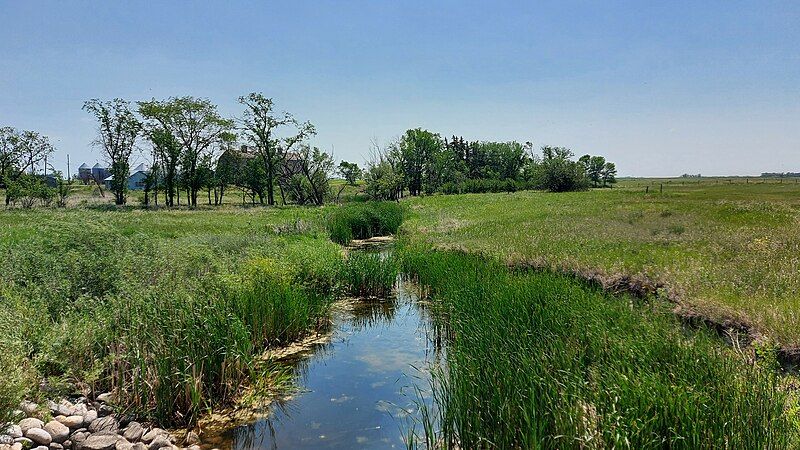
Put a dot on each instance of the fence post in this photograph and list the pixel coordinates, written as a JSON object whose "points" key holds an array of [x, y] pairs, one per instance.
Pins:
{"points": [[661, 189]]}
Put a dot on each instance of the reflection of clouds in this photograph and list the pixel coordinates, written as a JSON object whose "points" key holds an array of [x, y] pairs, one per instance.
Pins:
{"points": [[389, 361], [341, 399], [362, 439], [378, 384], [315, 425]]}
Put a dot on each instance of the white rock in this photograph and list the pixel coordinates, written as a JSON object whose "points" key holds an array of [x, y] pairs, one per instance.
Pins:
{"points": [[57, 430], [14, 431], [39, 436], [100, 441], [152, 434], [89, 417], [16, 446], [30, 422], [133, 432], [29, 408], [160, 441], [71, 422], [106, 397]]}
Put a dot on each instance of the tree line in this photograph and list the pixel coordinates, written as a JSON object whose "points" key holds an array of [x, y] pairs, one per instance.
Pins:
{"points": [[422, 162]]}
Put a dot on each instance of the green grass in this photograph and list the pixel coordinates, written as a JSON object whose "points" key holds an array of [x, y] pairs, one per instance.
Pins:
{"points": [[170, 309], [538, 360], [726, 250], [364, 220]]}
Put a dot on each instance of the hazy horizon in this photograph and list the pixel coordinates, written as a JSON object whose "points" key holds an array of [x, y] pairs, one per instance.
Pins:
{"points": [[661, 90]]}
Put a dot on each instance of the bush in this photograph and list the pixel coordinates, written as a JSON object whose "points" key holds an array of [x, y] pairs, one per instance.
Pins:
{"points": [[364, 220]]}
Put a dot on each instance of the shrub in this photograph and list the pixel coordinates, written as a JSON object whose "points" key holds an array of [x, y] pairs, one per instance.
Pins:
{"points": [[364, 220]]}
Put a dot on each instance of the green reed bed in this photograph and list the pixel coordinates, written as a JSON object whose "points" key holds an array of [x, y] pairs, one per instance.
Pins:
{"points": [[369, 274], [364, 220], [538, 360]]}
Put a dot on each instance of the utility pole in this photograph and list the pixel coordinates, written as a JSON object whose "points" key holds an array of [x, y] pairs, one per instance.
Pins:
{"points": [[69, 177]]}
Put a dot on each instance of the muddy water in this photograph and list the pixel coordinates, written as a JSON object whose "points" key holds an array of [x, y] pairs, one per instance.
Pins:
{"points": [[360, 390]]}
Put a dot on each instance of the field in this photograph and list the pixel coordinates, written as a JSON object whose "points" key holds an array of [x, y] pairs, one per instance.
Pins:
{"points": [[728, 251], [171, 309]]}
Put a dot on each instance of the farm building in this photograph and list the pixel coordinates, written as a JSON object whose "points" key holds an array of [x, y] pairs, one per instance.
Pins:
{"points": [[136, 180]]}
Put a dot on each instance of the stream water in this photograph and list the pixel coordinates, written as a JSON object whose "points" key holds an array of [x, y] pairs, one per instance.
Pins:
{"points": [[362, 390]]}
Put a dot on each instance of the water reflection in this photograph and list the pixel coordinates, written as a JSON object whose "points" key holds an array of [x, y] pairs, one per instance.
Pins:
{"points": [[361, 390]]}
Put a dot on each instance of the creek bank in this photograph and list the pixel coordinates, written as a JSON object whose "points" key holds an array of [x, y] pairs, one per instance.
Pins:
{"points": [[83, 424], [736, 331]]}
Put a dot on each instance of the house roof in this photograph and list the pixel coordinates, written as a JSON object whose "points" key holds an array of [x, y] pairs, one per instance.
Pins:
{"points": [[109, 178], [84, 166], [97, 166], [140, 168]]}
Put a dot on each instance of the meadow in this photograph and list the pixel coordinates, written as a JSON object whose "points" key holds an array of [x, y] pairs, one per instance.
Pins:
{"points": [[723, 249], [171, 309]]}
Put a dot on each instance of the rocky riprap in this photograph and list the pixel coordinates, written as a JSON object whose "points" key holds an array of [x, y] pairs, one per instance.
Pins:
{"points": [[86, 425]]}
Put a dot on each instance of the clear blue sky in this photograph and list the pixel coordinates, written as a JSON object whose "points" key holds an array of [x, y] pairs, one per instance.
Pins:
{"points": [[662, 88]]}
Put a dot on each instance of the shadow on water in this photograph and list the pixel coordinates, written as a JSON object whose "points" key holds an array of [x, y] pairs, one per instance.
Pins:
{"points": [[360, 390]]}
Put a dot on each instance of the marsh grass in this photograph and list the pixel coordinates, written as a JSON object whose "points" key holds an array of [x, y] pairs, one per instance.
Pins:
{"points": [[728, 251], [364, 220], [537, 360], [168, 309]]}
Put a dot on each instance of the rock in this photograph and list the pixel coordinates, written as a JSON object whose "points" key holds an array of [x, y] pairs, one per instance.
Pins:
{"points": [[134, 432], [107, 397], [160, 441], [16, 446], [81, 409], [108, 423], [14, 431], [152, 434], [5, 446], [24, 442], [138, 446], [78, 437], [194, 447], [29, 408], [41, 447], [123, 444], [6, 439], [30, 422], [56, 446], [39, 436], [57, 430], [67, 444], [100, 441], [105, 410], [71, 422], [89, 417]]}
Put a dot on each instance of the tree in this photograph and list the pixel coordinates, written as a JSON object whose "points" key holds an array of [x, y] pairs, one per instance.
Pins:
{"points": [[594, 172], [166, 156], [118, 129], [20, 152], [196, 124], [310, 184], [418, 148], [260, 125], [609, 174], [350, 172], [557, 172], [384, 178]]}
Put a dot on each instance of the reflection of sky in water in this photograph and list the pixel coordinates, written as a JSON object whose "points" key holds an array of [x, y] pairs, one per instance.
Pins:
{"points": [[360, 391]]}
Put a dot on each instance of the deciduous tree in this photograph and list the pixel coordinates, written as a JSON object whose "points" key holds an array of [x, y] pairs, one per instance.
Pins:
{"points": [[118, 129]]}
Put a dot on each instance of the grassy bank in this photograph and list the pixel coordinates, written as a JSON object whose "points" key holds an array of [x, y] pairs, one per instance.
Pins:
{"points": [[537, 360], [169, 309], [727, 250]]}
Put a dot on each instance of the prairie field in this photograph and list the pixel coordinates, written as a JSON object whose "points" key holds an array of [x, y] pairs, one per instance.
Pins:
{"points": [[725, 249], [171, 309]]}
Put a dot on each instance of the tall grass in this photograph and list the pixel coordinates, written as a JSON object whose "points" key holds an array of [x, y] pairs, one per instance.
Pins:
{"points": [[368, 274], [364, 220], [537, 360]]}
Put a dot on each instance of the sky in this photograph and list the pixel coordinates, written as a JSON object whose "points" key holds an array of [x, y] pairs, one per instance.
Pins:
{"points": [[660, 88]]}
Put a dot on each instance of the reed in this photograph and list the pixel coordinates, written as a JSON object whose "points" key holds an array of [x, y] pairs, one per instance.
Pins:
{"points": [[364, 220], [537, 360]]}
